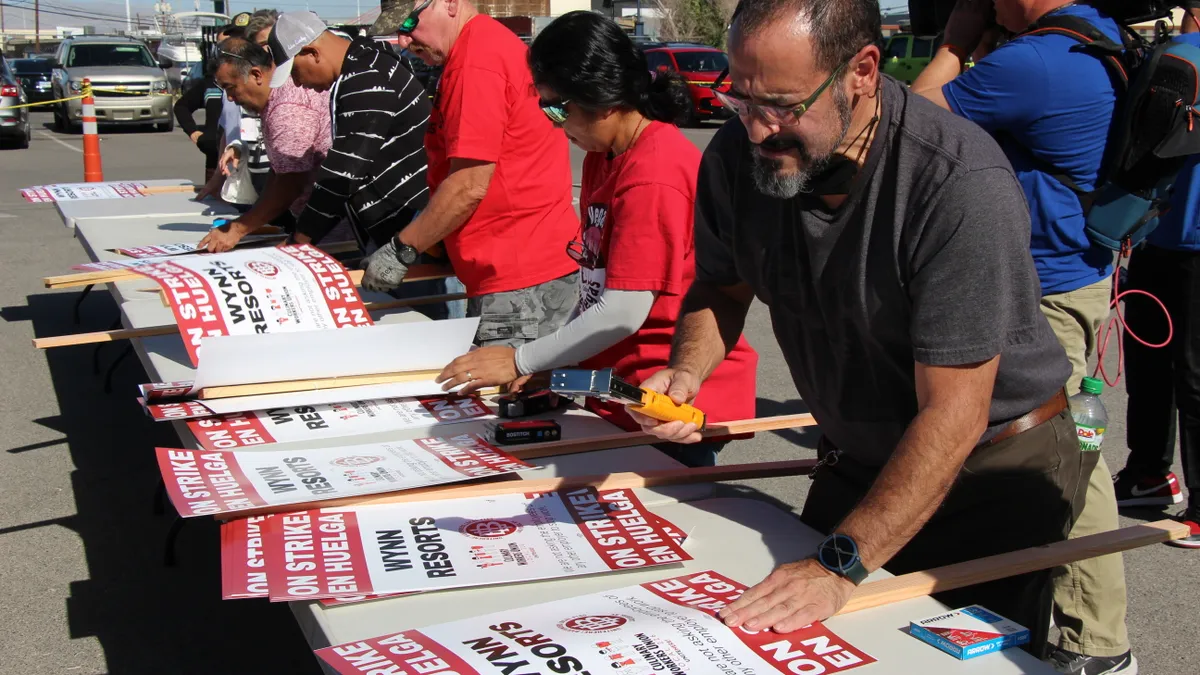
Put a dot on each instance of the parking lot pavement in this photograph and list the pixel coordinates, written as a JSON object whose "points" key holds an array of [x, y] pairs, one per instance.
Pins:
{"points": [[81, 552]]}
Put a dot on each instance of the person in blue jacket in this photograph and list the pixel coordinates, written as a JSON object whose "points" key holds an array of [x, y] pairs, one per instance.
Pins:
{"points": [[1164, 384], [1050, 107]]}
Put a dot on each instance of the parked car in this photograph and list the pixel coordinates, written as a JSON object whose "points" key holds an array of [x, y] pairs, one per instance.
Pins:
{"points": [[906, 55], [34, 75], [699, 65], [136, 90], [14, 122]]}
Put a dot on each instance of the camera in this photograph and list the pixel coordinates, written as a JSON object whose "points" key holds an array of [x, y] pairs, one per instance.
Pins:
{"points": [[928, 17]]}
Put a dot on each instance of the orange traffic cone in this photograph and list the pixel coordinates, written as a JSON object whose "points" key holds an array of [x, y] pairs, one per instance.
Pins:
{"points": [[93, 172]]}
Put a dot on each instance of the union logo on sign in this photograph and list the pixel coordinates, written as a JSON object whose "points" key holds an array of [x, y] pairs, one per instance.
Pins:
{"points": [[594, 623], [263, 268], [490, 528], [356, 460]]}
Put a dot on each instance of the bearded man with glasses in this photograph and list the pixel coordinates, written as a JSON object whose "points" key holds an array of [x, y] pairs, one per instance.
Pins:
{"points": [[890, 241], [499, 176]]}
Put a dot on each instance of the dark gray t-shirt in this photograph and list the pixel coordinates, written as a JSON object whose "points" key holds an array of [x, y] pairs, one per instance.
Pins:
{"points": [[927, 261]]}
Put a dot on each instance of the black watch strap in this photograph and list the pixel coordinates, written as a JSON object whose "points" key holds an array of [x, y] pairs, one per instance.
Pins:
{"points": [[838, 553], [407, 255]]}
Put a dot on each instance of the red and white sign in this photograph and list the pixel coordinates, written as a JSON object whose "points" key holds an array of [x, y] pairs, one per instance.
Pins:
{"points": [[656, 628], [262, 290], [423, 546], [71, 192], [210, 482], [334, 420]]}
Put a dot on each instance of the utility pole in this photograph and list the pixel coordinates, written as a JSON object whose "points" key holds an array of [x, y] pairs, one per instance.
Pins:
{"points": [[37, 26], [128, 24]]}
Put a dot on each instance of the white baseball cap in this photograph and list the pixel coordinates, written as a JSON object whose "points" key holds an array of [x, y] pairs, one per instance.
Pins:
{"points": [[292, 32]]}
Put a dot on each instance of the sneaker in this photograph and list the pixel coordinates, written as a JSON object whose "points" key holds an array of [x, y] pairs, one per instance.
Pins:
{"points": [[1146, 490], [1191, 518], [1064, 661]]}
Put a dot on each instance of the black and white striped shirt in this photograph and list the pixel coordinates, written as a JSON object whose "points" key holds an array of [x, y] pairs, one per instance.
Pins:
{"points": [[375, 171]]}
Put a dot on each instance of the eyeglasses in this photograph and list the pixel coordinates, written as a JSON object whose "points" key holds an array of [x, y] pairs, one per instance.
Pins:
{"points": [[557, 111], [783, 116], [410, 24]]}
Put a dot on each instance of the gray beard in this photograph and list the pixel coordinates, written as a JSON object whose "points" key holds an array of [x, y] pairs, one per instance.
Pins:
{"points": [[770, 181]]}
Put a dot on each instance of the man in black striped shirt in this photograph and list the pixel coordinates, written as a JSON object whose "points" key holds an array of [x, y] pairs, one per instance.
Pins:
{"points": [[374, 173]]}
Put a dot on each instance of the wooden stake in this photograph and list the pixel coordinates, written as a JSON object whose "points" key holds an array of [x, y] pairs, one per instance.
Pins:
{"points": [[631, 438], [154, 331], [168, 189], [1004, 565], [259, 389], [608, 481]]}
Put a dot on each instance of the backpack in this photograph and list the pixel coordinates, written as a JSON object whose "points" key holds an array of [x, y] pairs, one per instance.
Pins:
{"points": [[1155, 128]]}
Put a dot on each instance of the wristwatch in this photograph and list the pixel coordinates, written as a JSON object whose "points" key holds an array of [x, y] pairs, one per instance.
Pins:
{"points": [[406, 254], [839, 554]]}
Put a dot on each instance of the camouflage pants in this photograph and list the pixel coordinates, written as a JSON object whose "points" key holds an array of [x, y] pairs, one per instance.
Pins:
{"points": [[513, 318]]}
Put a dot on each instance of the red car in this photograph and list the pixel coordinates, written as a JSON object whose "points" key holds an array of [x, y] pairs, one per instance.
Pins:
{"points": [[699, 65]]}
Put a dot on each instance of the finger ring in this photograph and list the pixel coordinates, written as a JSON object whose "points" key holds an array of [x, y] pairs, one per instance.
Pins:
{"points": [[469, 378]]}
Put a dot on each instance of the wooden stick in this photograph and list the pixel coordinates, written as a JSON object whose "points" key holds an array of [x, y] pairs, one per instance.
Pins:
{"points": [[318, 384], [608, 481], [168, 189], [991, 568], [154, 331], [631, 438], [415, 273]]}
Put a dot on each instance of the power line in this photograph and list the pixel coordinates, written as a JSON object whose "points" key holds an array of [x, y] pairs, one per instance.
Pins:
{"points": [[62, 11]]}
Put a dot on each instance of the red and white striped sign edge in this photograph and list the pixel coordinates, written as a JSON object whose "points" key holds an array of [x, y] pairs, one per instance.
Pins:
{"points": [[559, 635]]}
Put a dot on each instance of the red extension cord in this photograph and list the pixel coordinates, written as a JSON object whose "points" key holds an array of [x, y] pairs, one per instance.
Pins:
{"points": [[1118, 322]]}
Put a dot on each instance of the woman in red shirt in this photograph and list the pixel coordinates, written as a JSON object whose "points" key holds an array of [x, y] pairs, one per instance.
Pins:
{"points": [[635, 245]]}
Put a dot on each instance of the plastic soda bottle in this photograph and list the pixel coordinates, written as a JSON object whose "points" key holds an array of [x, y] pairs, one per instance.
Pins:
{"points": [[1091, 418]]}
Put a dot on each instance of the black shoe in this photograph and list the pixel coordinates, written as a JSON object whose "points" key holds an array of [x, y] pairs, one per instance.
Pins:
{"points": [[1077, 664]]}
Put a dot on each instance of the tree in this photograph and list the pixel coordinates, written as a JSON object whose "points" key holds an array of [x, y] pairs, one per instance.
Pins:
{"points": [[703, 21]]}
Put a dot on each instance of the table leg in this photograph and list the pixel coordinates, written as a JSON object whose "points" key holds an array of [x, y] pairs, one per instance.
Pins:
{"points": [[79, 301], [172, 537], [108, 377]]}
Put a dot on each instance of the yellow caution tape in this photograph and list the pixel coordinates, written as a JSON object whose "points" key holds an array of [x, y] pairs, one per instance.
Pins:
{"points": [[30, 105]]}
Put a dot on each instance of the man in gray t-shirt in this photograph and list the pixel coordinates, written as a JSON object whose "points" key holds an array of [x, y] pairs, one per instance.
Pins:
{"points": [[890, 241]]}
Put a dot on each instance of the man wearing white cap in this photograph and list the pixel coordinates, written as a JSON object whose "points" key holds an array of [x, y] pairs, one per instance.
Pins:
{"points": [[374, 173]]}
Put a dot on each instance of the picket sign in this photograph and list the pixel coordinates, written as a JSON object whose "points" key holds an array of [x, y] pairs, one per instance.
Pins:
{"points": [[415, 273], [156, 331], [608, 481]]}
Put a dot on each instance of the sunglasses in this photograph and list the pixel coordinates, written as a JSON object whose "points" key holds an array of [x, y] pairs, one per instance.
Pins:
{"points": [[410, 24], [775, 115], [556, 111]]}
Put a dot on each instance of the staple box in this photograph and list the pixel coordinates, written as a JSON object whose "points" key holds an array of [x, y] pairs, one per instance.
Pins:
{"points": [[969, 632]]}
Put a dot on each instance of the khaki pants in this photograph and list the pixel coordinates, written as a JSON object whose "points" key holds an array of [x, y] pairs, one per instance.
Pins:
{"points": [[1089, 596]]}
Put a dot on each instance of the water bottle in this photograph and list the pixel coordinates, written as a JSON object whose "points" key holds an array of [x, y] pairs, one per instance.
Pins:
{"points": [[1091, 419]]}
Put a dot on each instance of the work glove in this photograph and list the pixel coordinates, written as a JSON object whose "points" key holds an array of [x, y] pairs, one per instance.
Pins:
{"points": [[384, 269]]}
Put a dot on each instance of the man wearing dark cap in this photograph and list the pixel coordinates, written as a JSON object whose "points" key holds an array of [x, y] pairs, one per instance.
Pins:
{"points": [[499, 176]]}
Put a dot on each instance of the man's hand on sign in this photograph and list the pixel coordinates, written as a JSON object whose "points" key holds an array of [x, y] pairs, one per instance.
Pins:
{"points": [[682, 386], [230, 159], [484, 367], [195, 136], [224, 238], [384, 269], [968, 22], [793, 596], [296, 239]]}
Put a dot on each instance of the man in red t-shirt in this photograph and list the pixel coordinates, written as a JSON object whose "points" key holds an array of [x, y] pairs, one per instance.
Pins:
{"points": [[499, 174]]}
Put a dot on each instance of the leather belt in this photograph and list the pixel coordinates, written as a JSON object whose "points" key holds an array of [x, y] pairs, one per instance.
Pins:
{"points": [[1040, 415]]}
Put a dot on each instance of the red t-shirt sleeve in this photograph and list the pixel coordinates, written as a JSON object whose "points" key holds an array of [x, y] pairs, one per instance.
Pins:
{"points": [[475, 104], [650, 239]]}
